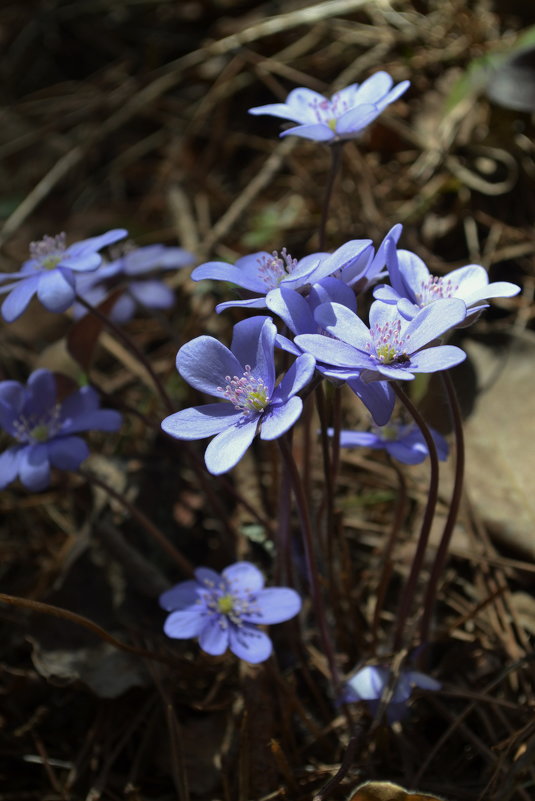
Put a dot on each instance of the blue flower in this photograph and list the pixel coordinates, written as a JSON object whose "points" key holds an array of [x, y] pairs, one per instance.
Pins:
{"points": [[403, 442], [244, 377], [343, 116], [264, 272], [369, 684], [225, 611], [132, 268], [297, 313], [392, 348], [45, 429], [413, 286], [50, 272]]}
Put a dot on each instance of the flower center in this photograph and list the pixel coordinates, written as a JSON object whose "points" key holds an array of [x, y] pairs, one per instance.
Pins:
{"points": [[388, 433], [226, 607], [328, 111], [247, 393], [49, 251], [272, 269], [435, 288], [225, 604], [33, 429], [390, 346]]}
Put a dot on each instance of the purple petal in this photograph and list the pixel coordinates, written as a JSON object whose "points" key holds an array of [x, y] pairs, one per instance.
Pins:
{"points": [[252, 303], [373, 88], [441, 357], [253, 343], [422, 681], [379, 260], [358, 439], [9, 465], [67, 453], [209, 579], [34, 468], [123, 309], [406, 453], [396, 373], [199, 422], [96, 420], [407, 309], [155, 257], [386, 294], [351, 258], [213, 639], [56, 290], [244, 577], [244, 273], [185, 623], [297, 377], [84, 263], [303, 271], [378, 397], [81, 402], [40, 392], [369, 683], [354, 120], [180, 596], [279, 419], [95, 243], [411, 273], [318, 132], [344, 324], [205, 364], [394, 94], [226, 450], [332, 351], [280, 110], [332, 290], [250, 644], [498, 289], [152, 294], [19, 297], [12, 394], [274, 605], [293, 310], [432, 321]]}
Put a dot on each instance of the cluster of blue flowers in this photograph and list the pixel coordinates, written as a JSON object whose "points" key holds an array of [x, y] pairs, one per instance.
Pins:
{"points": [[315, 300]]}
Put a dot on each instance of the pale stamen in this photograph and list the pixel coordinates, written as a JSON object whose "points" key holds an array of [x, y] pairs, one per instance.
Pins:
{"points": [[37, 428], [390, 346], [247, 392], [272, 269], [49, 250], [435, 288]]}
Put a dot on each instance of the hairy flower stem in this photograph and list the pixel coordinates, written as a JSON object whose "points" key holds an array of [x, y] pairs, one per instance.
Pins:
{"points": [[283, 560], [328, 499], [183, 563], [442, 552], [336, 157], [312, 570], [131, 346], [386, 556], [80, 620], [409, 590]]}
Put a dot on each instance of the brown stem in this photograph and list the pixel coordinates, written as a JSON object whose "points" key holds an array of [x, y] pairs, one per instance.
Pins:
{"points": [[79, 620], [183, 563], [442, 552], [312, 570], [409, 590], [131, 346], [336, 153]]}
